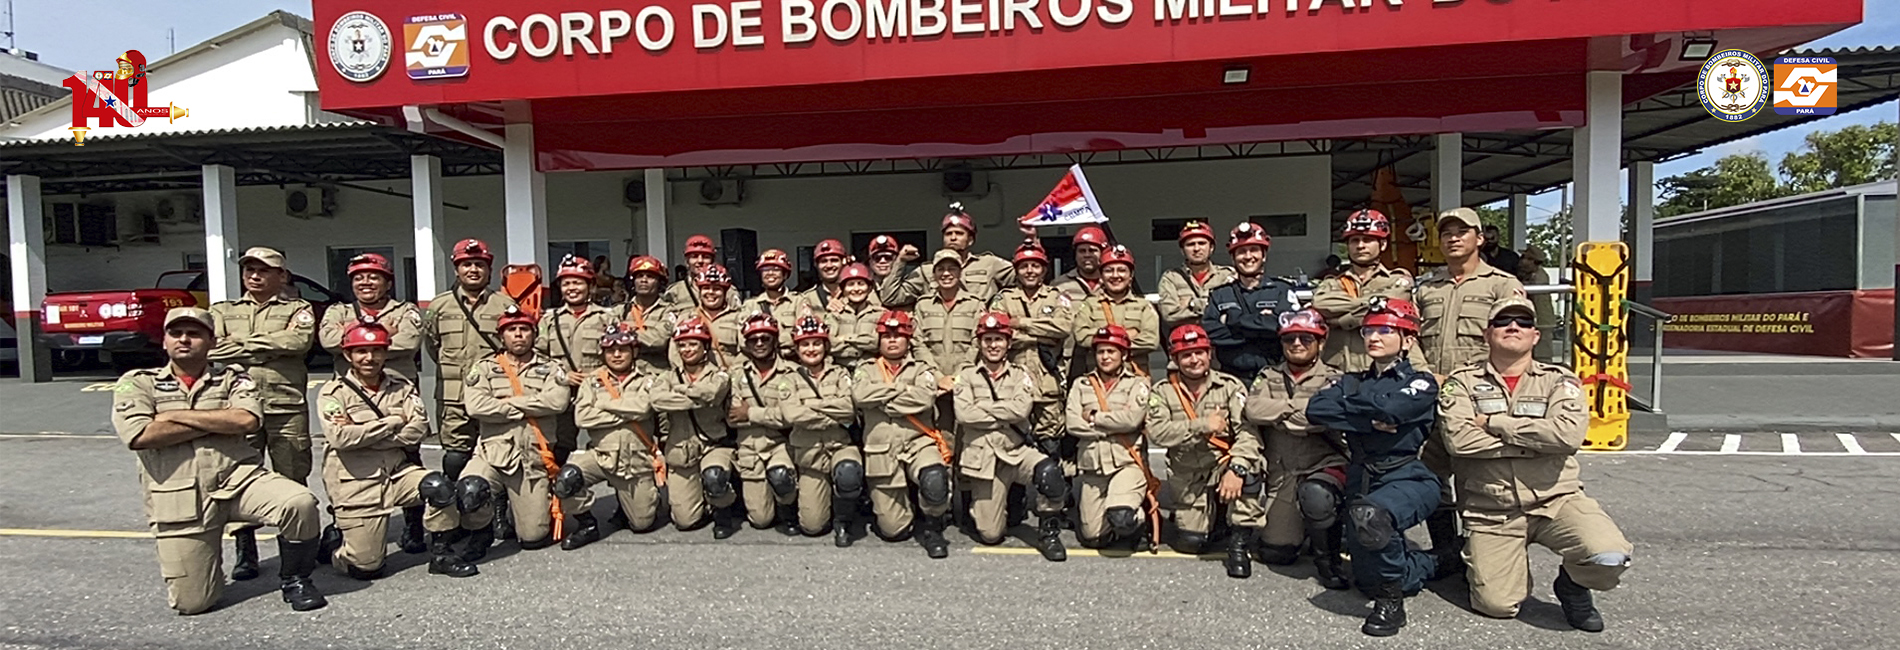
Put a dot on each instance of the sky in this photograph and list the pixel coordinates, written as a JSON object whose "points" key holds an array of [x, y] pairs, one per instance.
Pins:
{"points": [[113, 26]]}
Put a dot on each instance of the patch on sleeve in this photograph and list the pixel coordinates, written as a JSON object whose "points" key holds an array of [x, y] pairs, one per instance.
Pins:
{"points": [[243, 382], [329, 407], [1417, 387], [125, 386], [304, 317], [1452, 387], [124, 405], [415, 317]]}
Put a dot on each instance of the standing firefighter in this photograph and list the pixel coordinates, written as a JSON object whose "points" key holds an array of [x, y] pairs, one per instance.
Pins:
{"points": [[830, 467], [896, 396], [1306, 463], [1212, 459], [1345, 299], [570, 335], [854, 323], [188, 422], [759, 386], [946, 318], [1243, 316], [645, 314], [700, 253], [461, 327], [1089, 243], [981, 274], [269, 330], [1513, 426], [516, 397], [1106, 410], [1386, 412], [1184, 289], [1041, 320], [776, 299], [716, 312], [698, 446], [826, 295], [1116, 303], [993, 401], [615, 407], [372, 419]]}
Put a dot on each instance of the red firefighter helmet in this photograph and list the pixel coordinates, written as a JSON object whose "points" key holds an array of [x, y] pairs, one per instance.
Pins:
{"points": [[1303, 321], [515, 316], [829, 248], [1187, 338], [1111, 335], [1031, 250], [760, 323], [371, 262], [713, 275], [884, 244], [574, 267], [855, 271], [1118, 254], [701, 244], [1090, 235], [957, 218], [1248, 233], [370, 334], [773, 257], [810, 327], [1395, 312], [646, 264], [995, 322], [895, 322], [618, 334], [1368, 223], [471, 249], [1196, 228], [692, 329]]}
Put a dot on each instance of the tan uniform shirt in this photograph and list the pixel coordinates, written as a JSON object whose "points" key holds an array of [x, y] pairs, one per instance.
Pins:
{"points": [[1523, 460], [1453, 314], [270, 339], [694, 404], [1042, 321], [363, 458], [1072, 284], [683, 295], [1278, 405], [1178, 420], [993, 416], [402, 319], [1106, 422], [180, 481], [1133, 312], [888, 396], [787, 309], [1344, 301], [1184, 299], [984, 275], [854, 333], [764, 395], [651, 329], [617, 413], [574, 340], [726, 328], [457, 344], [818, 408], [510, 422], [947, 330]]}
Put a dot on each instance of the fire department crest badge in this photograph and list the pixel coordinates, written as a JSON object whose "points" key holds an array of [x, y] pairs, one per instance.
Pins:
{"points": [[1733, 85], [359, 46]]}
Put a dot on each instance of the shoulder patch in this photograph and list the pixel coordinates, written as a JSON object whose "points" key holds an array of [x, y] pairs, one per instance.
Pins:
{"points": [[304, 316], [1402, 281], [1452, 387]]}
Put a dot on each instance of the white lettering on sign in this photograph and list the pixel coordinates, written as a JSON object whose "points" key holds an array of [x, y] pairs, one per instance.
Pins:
{"points": [[747, 26], [702, 39], [575, 29], [795, 21], [854, 18], [647, 39], [885, 21], [503, 51], [932, 9], [614, 25], [548, 44]]}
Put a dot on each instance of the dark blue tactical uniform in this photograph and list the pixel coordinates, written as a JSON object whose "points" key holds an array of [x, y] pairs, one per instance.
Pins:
{"points": [[1244, 325], [1388, 489]]}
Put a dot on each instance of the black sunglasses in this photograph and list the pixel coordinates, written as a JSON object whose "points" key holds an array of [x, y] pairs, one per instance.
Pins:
{"points": [[1525, 322]]}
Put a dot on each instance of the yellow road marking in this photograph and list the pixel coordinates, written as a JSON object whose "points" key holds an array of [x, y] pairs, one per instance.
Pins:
{"points": [[1089, 552], [94, 534]]}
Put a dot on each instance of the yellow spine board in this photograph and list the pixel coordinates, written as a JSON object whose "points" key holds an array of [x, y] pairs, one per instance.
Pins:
{"points": [[1600, 336]]}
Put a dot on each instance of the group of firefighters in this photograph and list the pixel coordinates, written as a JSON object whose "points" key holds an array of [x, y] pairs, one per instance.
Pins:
{"points": [[963, 387]]}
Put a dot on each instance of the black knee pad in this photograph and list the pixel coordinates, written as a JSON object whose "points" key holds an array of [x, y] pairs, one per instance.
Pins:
{"points": [[472, 493], [1050, 482], [1123, 520], [453, 462], [1278, 555], [717, 482], [1186, 542], [1319, 502], [437, 490], [847, 480], [933, 485], [568, 482], [1371, 525], [782, 480]]}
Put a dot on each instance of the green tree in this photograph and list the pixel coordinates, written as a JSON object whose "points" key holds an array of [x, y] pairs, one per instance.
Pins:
{"points": [[1734, 179], [1850, 156]]}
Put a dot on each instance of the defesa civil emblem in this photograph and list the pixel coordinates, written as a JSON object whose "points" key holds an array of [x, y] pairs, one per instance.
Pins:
{"points": [[1733, 85], [359, 46]]}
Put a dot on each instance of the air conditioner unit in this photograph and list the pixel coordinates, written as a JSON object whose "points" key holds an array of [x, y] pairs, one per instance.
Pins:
{"points": [[179, 209], [633, 193], [306, 202], [721, 191], [960, 182]]}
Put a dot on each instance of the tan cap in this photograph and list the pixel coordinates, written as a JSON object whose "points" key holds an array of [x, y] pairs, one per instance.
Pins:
{"points": [[192, 314], [269, 256], [1513, 303], [946, 254], [1467, 215]]}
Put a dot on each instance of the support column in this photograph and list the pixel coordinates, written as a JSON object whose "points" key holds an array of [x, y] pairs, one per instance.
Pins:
{"points": [[1521, 223], [221, 233], [425, 185], [659, 237], [525, 198], [27, 248], [1598, 146], [1642, 230], [1448, 172]]}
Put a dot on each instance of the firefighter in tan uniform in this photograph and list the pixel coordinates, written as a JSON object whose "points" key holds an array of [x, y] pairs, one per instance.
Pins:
{"points": [[1306, 464], [570, 335], [887, 275], [896, 397], [699, 456], [993, 399], [371, 420], [188, 422], [716, 313], [1346, 298], [269, 330], [776, 300], [1513, 426], [1085, 278], [819, 408], [1184, 289], [1453, 303], [946, 319], [1106, 411], [983, 274], [1212, 459], [1042, 320], [767, 478], [615, 407], [830, 256], [853, 324], [1116, 303], [646, 313], [516, 397], [700, 253], [460, 327]]}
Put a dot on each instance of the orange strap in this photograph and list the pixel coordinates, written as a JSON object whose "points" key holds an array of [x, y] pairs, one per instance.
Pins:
{"points": [[540, 445], [1128, 442], [1109, 313], [1225, 447], [1350, 284], [943, 445], [659, 459]]}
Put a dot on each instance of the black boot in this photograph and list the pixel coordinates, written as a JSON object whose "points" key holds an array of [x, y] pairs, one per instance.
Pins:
{"points": [[725, 523], [413, 540], [842, 513], [930, 535], [788, 520], [295, 561], [1327, 567], [1447, 546], [476, 542], [444, 561], [586, 531], [359, 574], [1388, 610], [504, 518], [244, 567], [1239, 564], [1579, 609], [619, 520], [1049, 538], [328, 542]]}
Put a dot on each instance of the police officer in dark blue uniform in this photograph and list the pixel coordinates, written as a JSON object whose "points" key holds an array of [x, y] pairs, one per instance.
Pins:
{"points": [[1386, 413], [1243, 316]]}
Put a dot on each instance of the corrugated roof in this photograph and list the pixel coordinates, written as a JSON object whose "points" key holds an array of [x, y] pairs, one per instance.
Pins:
{"points": [[157, 135]]}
